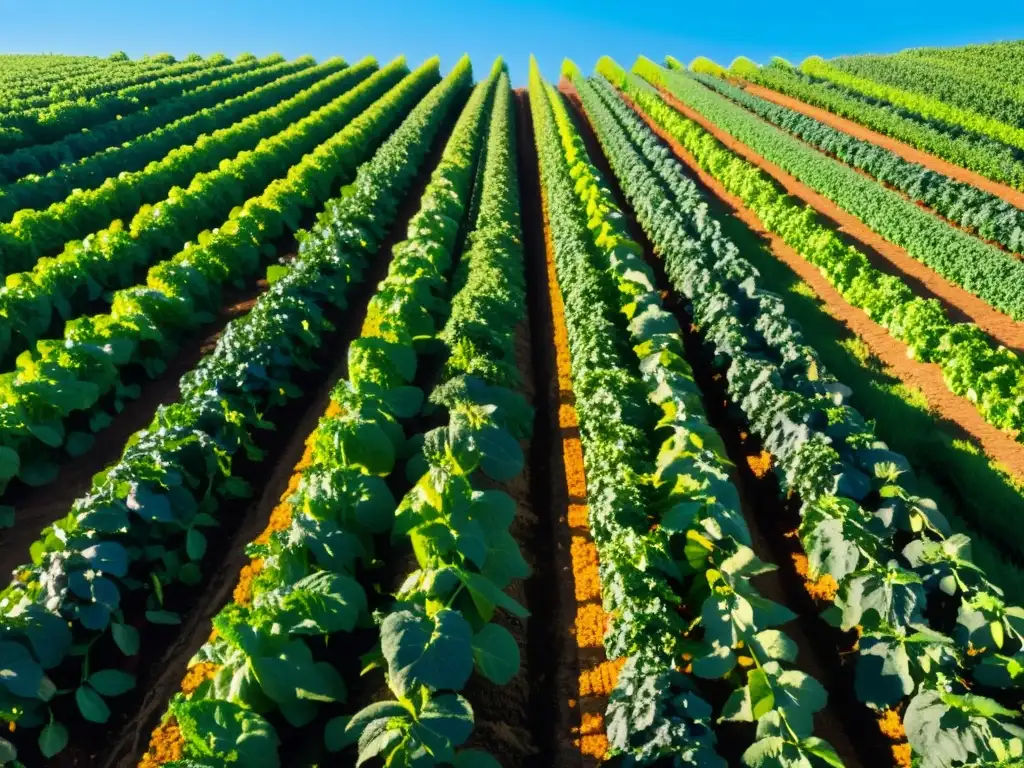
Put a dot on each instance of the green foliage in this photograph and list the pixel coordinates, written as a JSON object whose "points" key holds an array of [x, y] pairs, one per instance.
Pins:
{"points": [[863, 523]]}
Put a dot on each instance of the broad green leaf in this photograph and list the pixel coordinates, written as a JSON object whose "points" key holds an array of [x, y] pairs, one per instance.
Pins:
{"points": [[496, 654], [112, 682], [487, 596], [91, 705], [501, 457], [423, 651], [762, 698], [53, 739]]}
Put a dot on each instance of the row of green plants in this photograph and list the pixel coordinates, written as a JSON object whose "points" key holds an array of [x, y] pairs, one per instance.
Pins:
{"points": [[110, 135], [442, 626], [990, 376], [34, 233], [969, 88], [999, 60], [65, 389], [983, 213], [988, 272], [342, 496], [102, 576], [85, 369], [728, 630], [45, 124], [977, 152], [82, 376], [928, 106], [203, 182], [39, 191], [687, 557], [115, 76], [27, 75], [933, 633]]}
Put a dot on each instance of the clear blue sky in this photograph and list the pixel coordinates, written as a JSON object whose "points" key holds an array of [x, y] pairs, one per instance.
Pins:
{"points": [[579, 29]]}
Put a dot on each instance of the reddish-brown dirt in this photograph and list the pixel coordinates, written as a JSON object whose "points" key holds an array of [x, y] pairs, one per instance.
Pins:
{"points": [[552, 652], [890, 258], [586, 676], [957, 413], [906, 151]]}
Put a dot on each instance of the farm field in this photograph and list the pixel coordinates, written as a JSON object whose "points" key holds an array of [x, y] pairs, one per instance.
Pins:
{"points": [[392, 413]]}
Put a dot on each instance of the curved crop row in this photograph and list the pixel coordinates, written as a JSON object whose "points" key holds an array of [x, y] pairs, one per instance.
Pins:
{"points": [[886, 554], [38, 126], [83, 370], [440, 629], [969, 88], [100, 83], [980, 153], [985, 214], [110, 135], [243, 159], [1001, 60], [989, 273], [922, 104], [991, 377], [352, 451], [38, 191], [699, 611], [102, 574], [26, 75]]}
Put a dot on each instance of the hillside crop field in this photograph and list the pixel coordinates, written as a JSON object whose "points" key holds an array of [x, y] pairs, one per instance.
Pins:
{"points": [[379, 413]]}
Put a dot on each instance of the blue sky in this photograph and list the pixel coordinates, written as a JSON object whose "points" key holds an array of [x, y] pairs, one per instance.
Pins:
{"points": [[485, 28]]}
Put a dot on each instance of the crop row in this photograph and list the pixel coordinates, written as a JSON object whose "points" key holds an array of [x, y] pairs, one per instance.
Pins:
{"points": [[990, 377], [242, 159], [38, 191], [442, 624], [100, 576], [126, 129], [35, 233], [38, 126], [676, 558], [349, 456], [982, 212], [999, 60], [113, 78], [88, 366], [972, 89], [922, 104], [980, 153], [984, 270], [27, 75], [886, 551]]}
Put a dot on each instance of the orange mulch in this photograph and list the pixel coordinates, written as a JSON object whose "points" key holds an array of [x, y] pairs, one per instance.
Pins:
{"points": [[598, 675], [823, 588], [166, 743], [165, 746], [197, 675]]}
